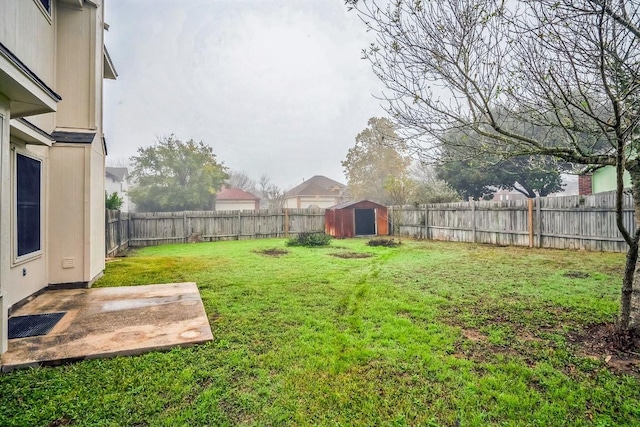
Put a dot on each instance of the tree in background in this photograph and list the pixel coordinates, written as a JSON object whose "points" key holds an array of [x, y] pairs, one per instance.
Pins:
{"points": [[272, 195], [113, 201], [570, 68], [430, 189], [480, 179], [377, 157], [400, 190], [172, 175], [476, 174], [241, 180]]}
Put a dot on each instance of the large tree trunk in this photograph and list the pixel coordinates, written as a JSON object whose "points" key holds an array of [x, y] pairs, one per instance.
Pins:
{"points": [[630, 298]]}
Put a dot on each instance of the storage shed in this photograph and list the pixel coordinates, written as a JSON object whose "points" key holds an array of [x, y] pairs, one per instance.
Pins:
{"points": [[361, 218]]}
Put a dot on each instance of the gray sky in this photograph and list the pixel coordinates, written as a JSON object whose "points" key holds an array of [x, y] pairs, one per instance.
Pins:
{"points": [[274, 86]]}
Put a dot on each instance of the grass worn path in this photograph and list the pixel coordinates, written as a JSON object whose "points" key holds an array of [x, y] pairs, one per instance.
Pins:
{"points": [[432, 334]]}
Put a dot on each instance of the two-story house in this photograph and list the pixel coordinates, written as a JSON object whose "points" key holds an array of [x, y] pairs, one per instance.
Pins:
{"points": [[116, 180], [317, 191], [52, 149]]}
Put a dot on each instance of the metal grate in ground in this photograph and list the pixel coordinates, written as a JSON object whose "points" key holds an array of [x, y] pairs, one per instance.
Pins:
{"points": [[33, 325]]}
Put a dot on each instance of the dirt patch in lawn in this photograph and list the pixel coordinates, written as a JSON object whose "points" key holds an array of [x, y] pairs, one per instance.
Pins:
{"points": [[621, 352], [273, 252], [474, 335], [351, 255], [577, 274], [61, 422], [389, 243]]}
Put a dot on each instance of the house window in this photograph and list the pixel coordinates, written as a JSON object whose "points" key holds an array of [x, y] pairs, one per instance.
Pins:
{"points": [[45, 6], [28, 201]]}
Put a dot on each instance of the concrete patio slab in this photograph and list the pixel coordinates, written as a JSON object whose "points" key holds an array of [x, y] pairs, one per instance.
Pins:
{"points": [[109, 322]]}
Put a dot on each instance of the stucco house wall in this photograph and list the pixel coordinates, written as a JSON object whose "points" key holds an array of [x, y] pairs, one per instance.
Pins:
{"points": [[604, 179], [52, 65], [235, 199], [235, 205], [304, 202]]}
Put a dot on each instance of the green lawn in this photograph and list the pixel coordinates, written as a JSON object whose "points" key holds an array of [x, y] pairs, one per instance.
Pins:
{"points": [[430, 334]]}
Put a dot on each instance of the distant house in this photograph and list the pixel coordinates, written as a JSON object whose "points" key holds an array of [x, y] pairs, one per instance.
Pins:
{"points": [[117, 181], [235, 199], [601, 180], [52, 148], [318, 191], [508, 195]]}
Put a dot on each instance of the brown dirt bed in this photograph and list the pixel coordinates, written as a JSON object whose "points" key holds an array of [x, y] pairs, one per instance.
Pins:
{"points": [[348, 255], [273, 252], [603, 342]]}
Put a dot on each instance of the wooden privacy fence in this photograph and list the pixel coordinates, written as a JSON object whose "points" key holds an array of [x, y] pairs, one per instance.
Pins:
{"points": [[117, 232], [571, 222], [156, 228]]}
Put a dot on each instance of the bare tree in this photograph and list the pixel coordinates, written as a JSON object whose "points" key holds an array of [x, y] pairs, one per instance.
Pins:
{"points": [[241, 180], [271, 193], [571, 69]]}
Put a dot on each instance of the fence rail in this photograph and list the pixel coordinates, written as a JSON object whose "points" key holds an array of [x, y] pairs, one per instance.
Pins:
{"points": [[156, 228], [571, 222]]}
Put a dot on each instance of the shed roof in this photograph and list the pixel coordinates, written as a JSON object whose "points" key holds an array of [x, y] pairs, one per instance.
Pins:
{"points": [[317, 185], [235, 194], [353, 204]]}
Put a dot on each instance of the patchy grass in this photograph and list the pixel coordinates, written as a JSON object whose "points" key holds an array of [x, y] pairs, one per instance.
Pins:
{"points": [[433, 334], [348, 255]]}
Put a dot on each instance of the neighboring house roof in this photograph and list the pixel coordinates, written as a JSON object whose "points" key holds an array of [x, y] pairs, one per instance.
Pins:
{"points": [[317, 185], [235, 194], [118, 173]]}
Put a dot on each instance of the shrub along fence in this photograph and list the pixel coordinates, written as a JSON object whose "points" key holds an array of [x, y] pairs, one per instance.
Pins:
{"points": [[156, 228], [570, 222]]}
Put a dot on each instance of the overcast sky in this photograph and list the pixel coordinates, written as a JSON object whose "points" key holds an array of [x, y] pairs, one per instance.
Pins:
{"points": [[274, 86]]}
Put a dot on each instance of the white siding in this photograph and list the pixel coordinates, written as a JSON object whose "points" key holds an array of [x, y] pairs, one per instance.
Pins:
{"points": [[235, 205], [303, 202]]}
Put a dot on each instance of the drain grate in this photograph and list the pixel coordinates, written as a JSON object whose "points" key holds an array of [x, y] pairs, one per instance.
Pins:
{"points": [[33, 325]]}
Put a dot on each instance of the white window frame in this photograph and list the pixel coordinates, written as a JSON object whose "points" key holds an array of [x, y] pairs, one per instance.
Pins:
{"points": [[16, 260], [47, 13]]}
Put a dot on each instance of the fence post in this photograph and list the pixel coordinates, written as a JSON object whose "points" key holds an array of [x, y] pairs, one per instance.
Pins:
{"points": [[119, 237], [539, 220], [286, 223], [184, 227], [473, 220], [530, 220], [426, 221], [239, 224], [107, 231], [130, 229]]}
